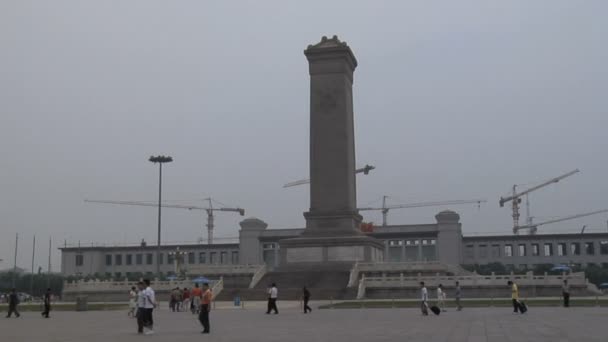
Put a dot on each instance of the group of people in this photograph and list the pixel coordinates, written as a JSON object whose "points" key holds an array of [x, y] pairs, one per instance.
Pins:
{"points": [[441, 297], [273, 295], [13, 303], [518, 305], [142, 302], [180, 299]]}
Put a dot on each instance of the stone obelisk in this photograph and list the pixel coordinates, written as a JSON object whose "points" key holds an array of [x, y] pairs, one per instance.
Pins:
{"points": [[332, 231]]}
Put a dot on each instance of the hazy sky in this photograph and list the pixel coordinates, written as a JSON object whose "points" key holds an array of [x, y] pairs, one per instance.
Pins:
{"points": [[453, 100]]}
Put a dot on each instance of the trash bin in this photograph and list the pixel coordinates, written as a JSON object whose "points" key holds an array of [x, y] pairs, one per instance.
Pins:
{"points": [[237, 301], [81, 303]]}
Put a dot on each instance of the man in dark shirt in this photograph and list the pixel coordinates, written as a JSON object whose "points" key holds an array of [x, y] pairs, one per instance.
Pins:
{"points": [[47, 303], [306, 295], [13, 301]]}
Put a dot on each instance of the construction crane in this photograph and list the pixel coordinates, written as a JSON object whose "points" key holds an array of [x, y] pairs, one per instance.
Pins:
{"points": [[365, 170], [516, 199], [385, 209], [209, 210], [534, 226]]}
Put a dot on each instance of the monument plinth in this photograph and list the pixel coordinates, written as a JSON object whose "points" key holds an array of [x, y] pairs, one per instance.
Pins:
{"points": [[332, 231]]}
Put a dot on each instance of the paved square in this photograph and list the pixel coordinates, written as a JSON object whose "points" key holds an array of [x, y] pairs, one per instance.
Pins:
{"points": [[333, 325]]}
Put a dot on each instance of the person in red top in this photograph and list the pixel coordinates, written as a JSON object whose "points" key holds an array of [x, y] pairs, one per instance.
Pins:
{"points": [[203, 316], [186, 299], [196, 296]]}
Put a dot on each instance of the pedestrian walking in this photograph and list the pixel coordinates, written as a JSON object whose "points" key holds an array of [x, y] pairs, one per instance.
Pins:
{"points": [[203, 316], [47, 303], [273, 294], [566, 293], [441, 297], [268, 293], [186, 299], [149, 305], [141, 307], [197, 295], [173, 304], [424, 297], [458, 296], [132, 302], [515, 297], [13, 302], [306, 297]]}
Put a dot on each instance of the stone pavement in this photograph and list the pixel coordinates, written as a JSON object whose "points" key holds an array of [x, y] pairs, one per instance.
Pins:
{"points": [[333, 325]]}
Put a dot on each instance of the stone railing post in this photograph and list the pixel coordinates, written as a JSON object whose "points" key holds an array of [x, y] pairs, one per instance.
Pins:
{"points": [[361, 289]]}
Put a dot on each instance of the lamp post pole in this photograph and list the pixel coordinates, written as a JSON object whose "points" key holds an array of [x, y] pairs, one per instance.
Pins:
{"points": [[160, 160]]}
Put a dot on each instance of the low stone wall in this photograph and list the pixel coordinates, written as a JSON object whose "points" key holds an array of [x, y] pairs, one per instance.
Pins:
{"points": [[474, 286], [474, 292], [118, 291]]}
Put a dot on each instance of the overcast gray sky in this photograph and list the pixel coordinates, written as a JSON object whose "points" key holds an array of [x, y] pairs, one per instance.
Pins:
{"points": [[453, 100]]}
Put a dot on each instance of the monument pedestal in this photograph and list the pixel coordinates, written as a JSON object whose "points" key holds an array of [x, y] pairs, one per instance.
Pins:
{"points": [[330, 238], [330, 250]]}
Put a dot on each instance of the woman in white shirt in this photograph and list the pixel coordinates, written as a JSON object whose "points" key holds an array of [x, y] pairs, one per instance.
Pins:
{"points": [[132, 302], [441, 297]]}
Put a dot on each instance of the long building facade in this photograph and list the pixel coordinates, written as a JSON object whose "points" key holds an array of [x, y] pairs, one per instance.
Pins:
{"points": [[441, 241]]}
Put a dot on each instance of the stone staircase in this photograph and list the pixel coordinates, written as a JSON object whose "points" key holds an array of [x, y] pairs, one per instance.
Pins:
{"points": [[323, 284]]}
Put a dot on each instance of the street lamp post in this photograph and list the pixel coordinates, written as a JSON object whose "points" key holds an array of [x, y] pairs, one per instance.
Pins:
{"points": [[160, 160]]}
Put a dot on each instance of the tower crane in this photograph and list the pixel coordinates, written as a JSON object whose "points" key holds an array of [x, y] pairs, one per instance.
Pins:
{"points": [[385, 209], [515, 198], [365, 170], [209, 210], [572, 217]]}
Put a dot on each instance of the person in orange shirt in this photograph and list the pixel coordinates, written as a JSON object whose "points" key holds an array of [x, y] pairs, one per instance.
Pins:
{"points": [[203, 316], [196, 295]]}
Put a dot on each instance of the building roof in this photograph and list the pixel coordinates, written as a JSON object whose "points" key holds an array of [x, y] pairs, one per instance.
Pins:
{"points": [[556, 236], [171, 247]]}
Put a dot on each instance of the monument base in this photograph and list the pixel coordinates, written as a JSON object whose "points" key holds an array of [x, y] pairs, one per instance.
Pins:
{"points": [[330, 250]]}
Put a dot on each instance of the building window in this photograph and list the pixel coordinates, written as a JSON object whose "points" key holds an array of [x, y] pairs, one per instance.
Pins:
{"points": [[118, 259], [161, 258], [495, 251], [202, 257], [575, 248], [469, 251], [394, 250], [548, 248], [561, 249], [235, 257], [149, 259], [411, 250], [535, 249], [117, 275], [212, 257], [508, 250], [428, 250], [270, 245], [483, 251], [79, 260], [522, 250], [589, 248], [170, 258], [191, 258], [129, 259], [223, 257], [108, 260], [139, 259], [395, 243], [523, 267], [603, 247]]}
